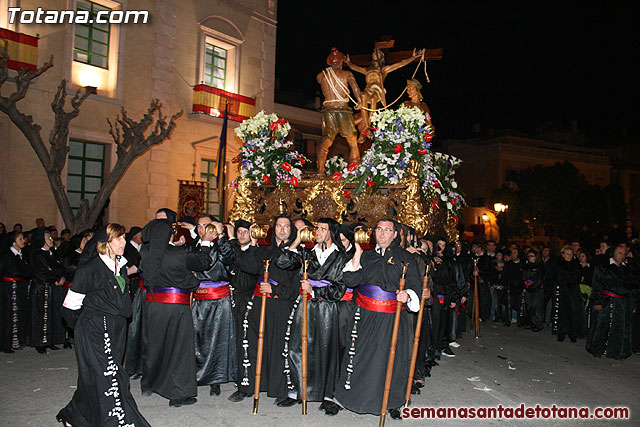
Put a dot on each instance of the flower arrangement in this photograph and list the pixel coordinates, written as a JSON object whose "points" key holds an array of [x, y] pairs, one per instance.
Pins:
{"points": [[265, 155], [439, 184], [335, 164], [398, 137]]}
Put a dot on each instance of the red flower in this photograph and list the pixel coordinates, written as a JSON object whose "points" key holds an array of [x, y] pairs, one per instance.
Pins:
{"points": [[254, 150], [266, 179], [294, 181], [453, 202], [398, 148], [336, 176], [370, 183], [428, 137], [280, 121], [436, 184], [347, 193], [434, 205], [273, 126], [455, 218], [352, 166], [421, 151], [273, 137], [302, 160], [286, 166]]}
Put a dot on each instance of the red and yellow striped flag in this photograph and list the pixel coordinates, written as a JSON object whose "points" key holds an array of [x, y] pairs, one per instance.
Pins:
{"points": [[22, 50], [211, 100]]}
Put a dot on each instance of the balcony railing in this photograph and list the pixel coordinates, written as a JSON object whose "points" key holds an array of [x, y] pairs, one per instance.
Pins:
{"points": [[211, 100]]}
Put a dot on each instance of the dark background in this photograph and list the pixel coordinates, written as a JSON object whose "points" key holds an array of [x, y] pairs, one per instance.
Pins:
{"points": [[506, 65]]}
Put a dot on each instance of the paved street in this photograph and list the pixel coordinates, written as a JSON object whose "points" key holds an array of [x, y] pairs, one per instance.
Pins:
{"points": [[505, 366]]}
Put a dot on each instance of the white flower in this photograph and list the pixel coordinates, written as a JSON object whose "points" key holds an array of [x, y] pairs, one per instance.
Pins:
{"points": [[443, 197], [454, 184]]}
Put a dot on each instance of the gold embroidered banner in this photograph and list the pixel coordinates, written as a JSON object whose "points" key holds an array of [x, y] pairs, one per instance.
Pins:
{"points": [[191, 198]]}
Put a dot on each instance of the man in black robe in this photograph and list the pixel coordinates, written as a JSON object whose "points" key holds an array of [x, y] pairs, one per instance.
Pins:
{"points": [[242, 285], [14, 294], [47, 272], [377, 274], [613, 290], [281, 289], [215, 341], [133, 363], [325, 288], [169, 365]]}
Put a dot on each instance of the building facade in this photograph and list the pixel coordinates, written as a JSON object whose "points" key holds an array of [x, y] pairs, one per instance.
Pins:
{"points": [[187, 51]]}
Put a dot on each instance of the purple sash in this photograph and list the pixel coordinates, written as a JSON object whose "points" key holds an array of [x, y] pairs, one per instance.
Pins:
{"points": [[375, 292], [205, 284]]}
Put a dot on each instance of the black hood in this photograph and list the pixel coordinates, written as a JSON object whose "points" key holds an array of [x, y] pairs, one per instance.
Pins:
{"points": [[90, 250], [155, 235], [334, 231]]}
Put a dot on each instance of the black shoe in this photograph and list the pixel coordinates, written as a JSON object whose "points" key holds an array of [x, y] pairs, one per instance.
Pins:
{"points": [[286, 402], [8, 351], [323, 405], [415, 389], [395, 413], [448, 352], [136, 376], [147, 393], [560, 337], [53, 347], [215, 390], [418, 384], [62, 420], [238, 396], [67, 345], [573, 339], [536, 329], [331, 408], [176, 403], [42, 349]]}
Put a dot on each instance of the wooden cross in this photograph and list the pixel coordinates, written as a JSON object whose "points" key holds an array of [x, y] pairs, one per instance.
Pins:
{"points": [[386, 43]]}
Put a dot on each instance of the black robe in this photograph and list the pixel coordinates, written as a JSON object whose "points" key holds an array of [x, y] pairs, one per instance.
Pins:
{"points": [[513, 287], [14, 301], [135, 350], [614, 289], [363, 371], [323, 330], [242, 286], [169, 364], [568, 311], [46, 326], [215, 340], [533, 297], [283, 270], [103, 397]]}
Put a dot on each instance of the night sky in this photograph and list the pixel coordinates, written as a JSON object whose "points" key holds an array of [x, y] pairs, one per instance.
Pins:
{"points": [[507, 65]]}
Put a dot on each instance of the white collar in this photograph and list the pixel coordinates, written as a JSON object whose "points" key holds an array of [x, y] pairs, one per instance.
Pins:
{"points": [[318, 249], [136, 245], [244, 248], [111, 264], [16, 252], [611, 261]]}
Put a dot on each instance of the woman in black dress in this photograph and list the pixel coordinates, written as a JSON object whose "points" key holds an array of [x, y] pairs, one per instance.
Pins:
{"points": [[570, 319], [100, 289]]}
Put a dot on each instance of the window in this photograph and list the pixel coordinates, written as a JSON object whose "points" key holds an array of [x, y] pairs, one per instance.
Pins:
{"points": [[208, 173], [91, 44], [85, 170], [215, 66]]}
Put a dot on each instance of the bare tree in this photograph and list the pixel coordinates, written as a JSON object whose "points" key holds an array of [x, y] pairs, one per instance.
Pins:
{"points": [[128, 135]]}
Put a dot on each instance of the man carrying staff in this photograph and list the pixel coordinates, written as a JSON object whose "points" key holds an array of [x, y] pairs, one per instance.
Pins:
{"points": [[242, 285], [377, 276], [325, 288], [281, 290], [212, 315]]}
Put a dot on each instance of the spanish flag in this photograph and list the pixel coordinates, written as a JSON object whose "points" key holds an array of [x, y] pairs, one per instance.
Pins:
{"points": [[211, 100], [22, 50]]}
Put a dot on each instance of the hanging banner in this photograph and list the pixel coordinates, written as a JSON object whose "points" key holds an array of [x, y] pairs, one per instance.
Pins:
{"points": [[211, 100], [22, 50], [191, 198]]}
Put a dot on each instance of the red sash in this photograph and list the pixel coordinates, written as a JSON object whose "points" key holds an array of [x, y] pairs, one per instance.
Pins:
{"points": [[257, 292], [212, 293], [169, 296], [612, 294], [13, 279], [348, 295]]}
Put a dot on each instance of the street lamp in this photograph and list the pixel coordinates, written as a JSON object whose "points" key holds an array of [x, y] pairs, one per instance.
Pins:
{"points": [[500, 207]]}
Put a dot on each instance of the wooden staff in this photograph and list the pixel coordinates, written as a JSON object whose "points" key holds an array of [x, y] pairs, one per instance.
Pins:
{"points": [[256, 390], [392, 349], [416, 338], [476, 303], [305, 341]]}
